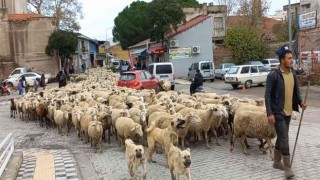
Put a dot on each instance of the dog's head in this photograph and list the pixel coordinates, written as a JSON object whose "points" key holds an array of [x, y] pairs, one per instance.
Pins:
{"points": [[178, 123], [185, 157], [139, 151]]}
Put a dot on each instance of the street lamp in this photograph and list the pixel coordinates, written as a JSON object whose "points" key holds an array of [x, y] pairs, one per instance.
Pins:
{"points": [[290, 28]]}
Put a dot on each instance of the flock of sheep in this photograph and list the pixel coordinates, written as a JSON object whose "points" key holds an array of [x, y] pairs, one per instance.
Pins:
{"points": [[93, 105]]}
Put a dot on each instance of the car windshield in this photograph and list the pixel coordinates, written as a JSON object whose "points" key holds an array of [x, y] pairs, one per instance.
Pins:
{"points": [[255, 62], [228, 65], [274, 61], [115, 63], [128, 77], [233, 70], [206, 66], [163, 69]]}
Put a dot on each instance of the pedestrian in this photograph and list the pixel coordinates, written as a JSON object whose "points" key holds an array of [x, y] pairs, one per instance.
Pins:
{"points": [[282, 96], [144, 66], [19, 87], [23, 85], [43, 81], [61, 78], [197, 82], [83, 66]]}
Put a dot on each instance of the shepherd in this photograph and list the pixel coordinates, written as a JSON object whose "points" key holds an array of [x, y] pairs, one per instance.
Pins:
{"points": [[282, 96]]}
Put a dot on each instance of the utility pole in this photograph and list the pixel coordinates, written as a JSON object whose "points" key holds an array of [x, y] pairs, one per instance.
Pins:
{"points": [[290, 26]]}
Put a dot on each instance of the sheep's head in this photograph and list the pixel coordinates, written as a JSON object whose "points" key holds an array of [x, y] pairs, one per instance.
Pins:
{"points": [[143, 118], [137, 131]]}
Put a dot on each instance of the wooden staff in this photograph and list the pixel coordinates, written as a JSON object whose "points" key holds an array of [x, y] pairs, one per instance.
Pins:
{"points": [[295, 144]]}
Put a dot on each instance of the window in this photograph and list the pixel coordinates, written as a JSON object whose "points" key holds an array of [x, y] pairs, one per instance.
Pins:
{"points": [[262, 69], [148, 75], [29, 75], [127, 77], [142, 76], [16, 72], [164, 69], [265, 62], [233, 70], [245, 69], [195, 66], [218, 23], [274, 61], [220, 67], [228, 65], [151, 69], [254, 69], [205, 66]]}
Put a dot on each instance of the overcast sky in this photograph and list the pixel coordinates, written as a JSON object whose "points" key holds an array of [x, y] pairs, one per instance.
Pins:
{"points": [[99, 15]]}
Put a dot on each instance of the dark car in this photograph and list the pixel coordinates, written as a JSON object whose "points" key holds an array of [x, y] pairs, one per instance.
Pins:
{"points": [[138, 79]]}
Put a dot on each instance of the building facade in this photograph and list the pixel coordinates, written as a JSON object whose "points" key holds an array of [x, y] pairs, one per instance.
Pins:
{"points": [[24, 37], [192, 42]]}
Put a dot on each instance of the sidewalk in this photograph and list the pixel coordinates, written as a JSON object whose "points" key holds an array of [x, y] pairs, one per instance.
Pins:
{"points": [[40, 164], [182, 81]]}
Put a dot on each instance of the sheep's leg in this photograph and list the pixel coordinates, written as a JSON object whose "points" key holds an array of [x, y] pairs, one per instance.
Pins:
{"points": [[232, 140], [109, 135], [247, 145], [207, 140], [99, 143], [182, 142], [199, 136], [261, 146], [104, 136], [244, 148], [270, 147], [11, 114], [224, 133], [151, 144], [215, 135]]}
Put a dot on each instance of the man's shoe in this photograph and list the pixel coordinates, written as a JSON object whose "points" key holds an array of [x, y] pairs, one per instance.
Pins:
{"points": [[277, 157], [287, 167]]}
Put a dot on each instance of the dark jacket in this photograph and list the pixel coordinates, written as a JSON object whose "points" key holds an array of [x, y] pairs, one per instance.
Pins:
{"points": [[274, 94], [198, 80]]}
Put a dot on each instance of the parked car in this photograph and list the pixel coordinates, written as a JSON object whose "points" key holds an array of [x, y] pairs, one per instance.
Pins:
{"points": [[270, 64], [30, 78], [206, 69], [255, 62], [17, 72], [164, 71], [246, 75], [222, 70], [139, 79]]}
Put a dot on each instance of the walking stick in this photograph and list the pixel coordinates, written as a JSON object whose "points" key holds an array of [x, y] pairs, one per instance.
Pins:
{"points": [[295, 144]]}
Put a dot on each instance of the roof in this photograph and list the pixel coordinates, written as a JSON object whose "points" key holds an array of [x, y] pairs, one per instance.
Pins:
{"points": [[238, 21], [24, 17], [187, 25]]}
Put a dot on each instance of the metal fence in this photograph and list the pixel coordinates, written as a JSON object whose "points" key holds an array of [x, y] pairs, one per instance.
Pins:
{"points": [[6, 151], [309, 52]]}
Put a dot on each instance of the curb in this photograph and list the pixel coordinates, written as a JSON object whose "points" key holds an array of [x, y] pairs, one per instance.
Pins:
{"points": [[13, 166]]}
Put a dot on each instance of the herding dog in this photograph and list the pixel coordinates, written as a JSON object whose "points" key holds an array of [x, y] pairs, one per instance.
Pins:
{"points": [[179, 162], [135, 157], [163, 136]]}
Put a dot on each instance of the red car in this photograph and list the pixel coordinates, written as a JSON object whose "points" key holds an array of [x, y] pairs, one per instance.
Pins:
{"points": [[139, 79]]}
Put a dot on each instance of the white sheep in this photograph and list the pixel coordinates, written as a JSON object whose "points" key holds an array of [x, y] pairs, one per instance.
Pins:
{"points": [[95, 131], [127, 129]]}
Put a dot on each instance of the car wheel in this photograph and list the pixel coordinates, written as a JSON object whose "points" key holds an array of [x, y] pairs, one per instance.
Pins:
{"points": [[172, 87], [212, 80], [222, 77], [235, 86], [248, 84], [261, 84]]}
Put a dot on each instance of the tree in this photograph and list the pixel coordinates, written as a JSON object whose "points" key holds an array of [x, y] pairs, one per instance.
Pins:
{"points": [[281, 30], [255, 10], [165, 16], [62, 44], [66, 12], [188, 3], [246, 44], [132, 24], [231, 5]]}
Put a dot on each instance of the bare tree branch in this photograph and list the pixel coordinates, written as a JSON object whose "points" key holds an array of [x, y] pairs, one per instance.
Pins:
{"points": [[231, 5]]}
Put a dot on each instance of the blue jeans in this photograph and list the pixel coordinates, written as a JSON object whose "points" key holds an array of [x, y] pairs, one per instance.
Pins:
{"points": [[282, 129]]}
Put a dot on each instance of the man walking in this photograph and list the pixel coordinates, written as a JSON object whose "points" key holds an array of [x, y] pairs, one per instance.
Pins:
{"points": [[282, 96]]}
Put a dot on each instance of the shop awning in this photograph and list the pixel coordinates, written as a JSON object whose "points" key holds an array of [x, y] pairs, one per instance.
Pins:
{"points": [[154, 49], [139, 52]]}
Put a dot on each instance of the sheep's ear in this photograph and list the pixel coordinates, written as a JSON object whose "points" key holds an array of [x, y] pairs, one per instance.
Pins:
{"points": [[188, 149], [133, 128]]}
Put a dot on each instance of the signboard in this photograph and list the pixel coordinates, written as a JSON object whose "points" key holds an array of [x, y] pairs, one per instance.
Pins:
{"points": [[307, 20], [180, 53]]}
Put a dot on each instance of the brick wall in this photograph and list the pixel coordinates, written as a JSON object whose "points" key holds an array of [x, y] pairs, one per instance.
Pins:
{"points": [[221, 55], [6, 69]]}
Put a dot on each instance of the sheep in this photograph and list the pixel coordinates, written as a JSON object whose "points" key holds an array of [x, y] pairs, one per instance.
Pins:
{"points": [[95, 131], [84, 124], [127, 129], [195, 125], [13, 108], [165, 85], [76, 117], [138, 116], [41, 113], [61, 120], [252, 124]]}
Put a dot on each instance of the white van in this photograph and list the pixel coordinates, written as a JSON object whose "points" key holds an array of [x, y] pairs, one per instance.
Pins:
{"points": [[206, 69], [247, 75], [163, 70]]}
